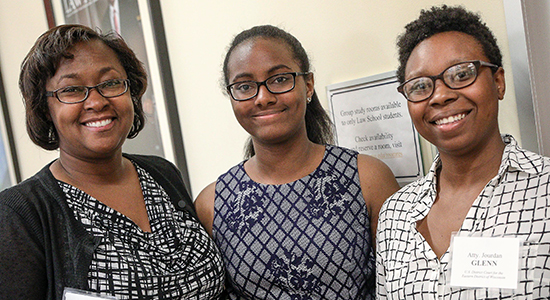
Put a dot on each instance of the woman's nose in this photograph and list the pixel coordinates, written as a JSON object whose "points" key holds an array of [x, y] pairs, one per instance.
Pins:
{"points": [[442, 93], [264, 97], [95, 100]]}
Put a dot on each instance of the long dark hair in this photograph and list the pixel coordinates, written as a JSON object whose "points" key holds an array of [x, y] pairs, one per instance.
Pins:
{"points": [[318, 125]]}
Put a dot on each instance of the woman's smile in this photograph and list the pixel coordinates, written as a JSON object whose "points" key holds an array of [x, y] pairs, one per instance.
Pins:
{"points": [[451, 119], [272, 113], [100, 124]]}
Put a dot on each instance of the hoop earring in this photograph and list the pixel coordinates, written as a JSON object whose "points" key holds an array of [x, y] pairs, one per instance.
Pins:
{"points": [[134, 122]]}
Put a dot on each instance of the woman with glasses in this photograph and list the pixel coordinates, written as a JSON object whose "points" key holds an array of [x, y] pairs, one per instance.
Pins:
{"points": [[296, 219], [477, 226], [97, 220]]}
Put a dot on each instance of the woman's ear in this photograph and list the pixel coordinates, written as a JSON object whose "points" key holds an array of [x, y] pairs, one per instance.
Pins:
{"points": [[500, 83], [310, 83]]}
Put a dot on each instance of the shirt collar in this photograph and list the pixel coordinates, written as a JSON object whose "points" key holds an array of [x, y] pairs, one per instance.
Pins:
{"points": [[426, 192], [515, 158]]}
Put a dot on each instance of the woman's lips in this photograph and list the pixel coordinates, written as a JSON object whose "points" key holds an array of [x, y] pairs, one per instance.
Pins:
{"points": [[99, 123], [450, 119]]}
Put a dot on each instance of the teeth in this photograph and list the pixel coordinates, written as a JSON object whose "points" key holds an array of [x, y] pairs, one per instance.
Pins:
{"points": [[99, 123], [450, 119]]}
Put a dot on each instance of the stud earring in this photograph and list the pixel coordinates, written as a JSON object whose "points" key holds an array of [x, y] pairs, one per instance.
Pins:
{"points": [[308, 100]]}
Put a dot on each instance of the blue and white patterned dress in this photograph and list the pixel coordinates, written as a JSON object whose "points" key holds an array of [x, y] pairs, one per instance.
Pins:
{"points": [[307, 239]]}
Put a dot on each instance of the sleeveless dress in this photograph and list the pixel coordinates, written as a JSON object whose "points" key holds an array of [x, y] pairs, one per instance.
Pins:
{"points": [[307, 239]]}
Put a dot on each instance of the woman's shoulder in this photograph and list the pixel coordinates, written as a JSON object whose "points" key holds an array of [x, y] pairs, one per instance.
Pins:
{"points": [[236, 170], [377, 179], [148, 159], [371, 162], [32, 193], [155, 165], [330, 148], [40, 180]]}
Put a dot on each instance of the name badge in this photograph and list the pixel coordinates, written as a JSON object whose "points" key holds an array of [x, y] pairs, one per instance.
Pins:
{"points": [[485, 262], [75, 294]]}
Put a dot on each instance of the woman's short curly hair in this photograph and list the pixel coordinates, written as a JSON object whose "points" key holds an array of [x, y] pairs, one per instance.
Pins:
{"points": [[442, 19], [42, 62]]}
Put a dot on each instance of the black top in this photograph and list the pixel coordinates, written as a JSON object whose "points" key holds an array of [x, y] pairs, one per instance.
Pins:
{"points": [[43, 247]]}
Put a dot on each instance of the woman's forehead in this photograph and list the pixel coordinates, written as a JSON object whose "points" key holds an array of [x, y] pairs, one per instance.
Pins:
{"points": [[442, 50]]}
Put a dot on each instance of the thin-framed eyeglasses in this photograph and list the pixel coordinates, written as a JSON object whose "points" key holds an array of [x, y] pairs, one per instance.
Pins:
{"points": [[79, 93], [276, 84], [455, 77]]}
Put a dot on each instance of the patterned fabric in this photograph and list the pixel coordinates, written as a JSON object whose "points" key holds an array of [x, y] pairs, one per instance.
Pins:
{"points": [[307, 239], [174, 261], [516, 203]]}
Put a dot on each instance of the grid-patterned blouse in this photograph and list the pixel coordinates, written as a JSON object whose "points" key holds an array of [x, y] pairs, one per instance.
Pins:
{"points": [[515, 203], [176, 260]]}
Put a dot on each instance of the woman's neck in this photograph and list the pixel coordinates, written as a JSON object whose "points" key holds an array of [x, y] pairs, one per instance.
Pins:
{"points": [[476, 167], [283, 163], [78, 171]]}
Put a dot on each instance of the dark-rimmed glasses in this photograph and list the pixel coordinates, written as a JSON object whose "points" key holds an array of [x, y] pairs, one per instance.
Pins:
{"points": [[79, 93], [276, 84], [455, 77]]}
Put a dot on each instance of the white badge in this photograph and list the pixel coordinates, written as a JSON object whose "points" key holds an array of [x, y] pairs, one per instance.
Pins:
{"points": [[74, 294], [485, 262]]}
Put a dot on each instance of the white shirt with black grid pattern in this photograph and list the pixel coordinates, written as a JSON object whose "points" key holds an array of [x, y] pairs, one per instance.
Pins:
{"points": [[515, 203], [177, 260]]}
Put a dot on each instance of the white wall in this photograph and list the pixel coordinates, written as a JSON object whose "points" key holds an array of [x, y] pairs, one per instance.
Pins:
{"points": [[345, 40], [21, 22]]}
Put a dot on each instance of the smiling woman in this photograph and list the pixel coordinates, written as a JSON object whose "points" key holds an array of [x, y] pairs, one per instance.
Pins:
{"points": [[272, 214], [481, 185], [91, 124], [97, 219]]}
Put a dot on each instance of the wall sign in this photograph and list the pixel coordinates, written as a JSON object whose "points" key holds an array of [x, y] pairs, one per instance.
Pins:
{"points": [[371, 117]]}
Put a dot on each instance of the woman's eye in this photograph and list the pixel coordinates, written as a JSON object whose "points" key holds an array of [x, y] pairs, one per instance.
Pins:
{"points": [[73, 90], [110, 83], [280, 79], [243, 87], [463, 75], [460, 73], [419, 87]]}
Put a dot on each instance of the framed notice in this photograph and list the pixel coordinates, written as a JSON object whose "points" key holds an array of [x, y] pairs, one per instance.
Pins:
{"points": [[139, 22], [371, 117]]}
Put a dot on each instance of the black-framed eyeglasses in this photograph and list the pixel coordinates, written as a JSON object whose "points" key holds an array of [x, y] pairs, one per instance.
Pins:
{"points": [[276, 84], [455, 77], [79, 93]]}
